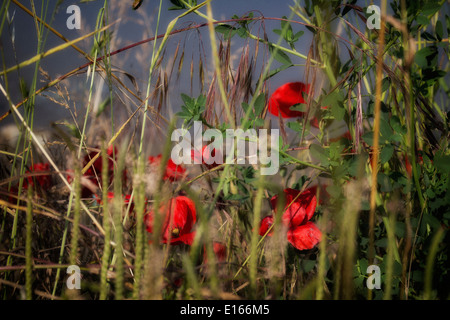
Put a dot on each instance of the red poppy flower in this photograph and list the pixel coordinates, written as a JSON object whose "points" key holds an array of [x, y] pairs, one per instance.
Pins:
{"points": [[299, 209], [94, 172], [43, 178], [266, 223], [205, 157], [11, 195], [285, 97], [173, 171], [179, 216], [220, 251]]}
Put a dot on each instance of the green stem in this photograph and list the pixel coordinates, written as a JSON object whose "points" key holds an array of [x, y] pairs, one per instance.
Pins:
{"points": [[106, 226], [302, 162], [28, 247]]}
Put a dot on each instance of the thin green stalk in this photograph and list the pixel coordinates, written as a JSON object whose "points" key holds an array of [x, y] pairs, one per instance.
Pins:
{"points": [[106, 226], [287, 155], [28, 247], [434, 247], [91, 85], [320, 281], [150, 72], [204, 238], [392, 253], [411, 107], [326, 49], [107, 62], [118, 228], [191, 277], [255, 235], [140, 235], [348, 235], [215, 56], [76, 217]]}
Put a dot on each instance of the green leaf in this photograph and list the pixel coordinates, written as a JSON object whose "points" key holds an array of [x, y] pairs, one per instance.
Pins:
{"points": [[259, 122], [428, 36], [385, 129], [277, 31], [424, 56], [439, 30], [277, 70], [297, 36], [260, 103], [227, 30], [334, 102], [245, 106], [442, 163], [302, 107], [242, 32], [422, 20], [386, 153], [319, 153], [397, 126], [307, 265], [280, 56], [385, 83], [294, 125], [368, 138], [338, 112], [383, 243], [186, 99]]}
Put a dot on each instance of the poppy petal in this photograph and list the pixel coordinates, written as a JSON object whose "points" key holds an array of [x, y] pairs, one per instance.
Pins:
{"points": [[266, 223], [304, 237], [173, 171], [298, 208], [179, 219], [187, 238], [287, 96]]}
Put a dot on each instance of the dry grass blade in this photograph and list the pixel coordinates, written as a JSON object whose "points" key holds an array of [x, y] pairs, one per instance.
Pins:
{"points": [[54, 50], [47, 156]]}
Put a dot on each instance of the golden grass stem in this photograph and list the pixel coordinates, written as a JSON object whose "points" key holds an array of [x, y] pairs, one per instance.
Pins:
{"points": [[376, 134]]}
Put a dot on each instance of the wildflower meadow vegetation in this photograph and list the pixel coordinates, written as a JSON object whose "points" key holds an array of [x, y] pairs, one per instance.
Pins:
{"points": [[353, 99]]}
